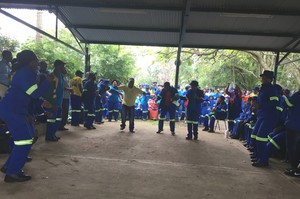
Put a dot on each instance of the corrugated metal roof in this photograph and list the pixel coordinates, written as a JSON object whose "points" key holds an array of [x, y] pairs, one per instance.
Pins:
{"points": [[232, 24]]}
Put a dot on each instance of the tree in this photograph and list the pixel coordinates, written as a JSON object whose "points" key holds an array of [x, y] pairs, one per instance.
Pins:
{"points": [[7, 43], [49, 50], [112, 62]]}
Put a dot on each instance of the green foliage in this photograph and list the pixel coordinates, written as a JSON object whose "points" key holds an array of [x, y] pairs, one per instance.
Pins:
{"points": [[212, 68], [49, 50], [112, 62], [7, 43]]}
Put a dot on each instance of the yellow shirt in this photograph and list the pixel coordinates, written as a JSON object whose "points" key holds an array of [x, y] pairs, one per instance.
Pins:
{"points": [[130, 94], [76, 83]]}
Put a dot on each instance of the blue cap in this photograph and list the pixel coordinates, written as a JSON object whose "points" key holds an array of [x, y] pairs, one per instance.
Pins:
{"points": [[256, 88]]}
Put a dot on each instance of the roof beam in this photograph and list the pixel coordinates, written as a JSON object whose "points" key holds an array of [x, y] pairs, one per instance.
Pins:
{"points": [[39, 30], [197, 31], [143, 5], [189, 46]]}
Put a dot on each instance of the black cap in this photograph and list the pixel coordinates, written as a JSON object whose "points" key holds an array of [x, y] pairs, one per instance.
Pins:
{"points": [[78, 72], [268, 73], [194, 83], [131, 79], [58, 63]]}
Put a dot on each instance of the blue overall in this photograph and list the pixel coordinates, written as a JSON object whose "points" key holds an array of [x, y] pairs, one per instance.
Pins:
{"points": [[195, 98], [144, 105], [166, 106], [220, 114], [100, 102], [113, 103], [89, 93], [238, 122], [267, 118], [293, 129], [183, 108], [76, 109], [14, 112], [277, 141]]}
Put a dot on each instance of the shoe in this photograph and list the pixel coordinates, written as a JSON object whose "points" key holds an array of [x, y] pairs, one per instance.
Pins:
{"points": [[188, 138], [172, 132], [93, 127], [260, 164], [74, 124], [293, 173], [35, 139], [252, 156], [159, 131], [205, 129], [3, 169], [29, 159], [254, 160], [132, 131], [211, 131], [88, 127], [251, 149], [52, 139], [122, 128], [195, 138], [17, 178], [63, 129]]}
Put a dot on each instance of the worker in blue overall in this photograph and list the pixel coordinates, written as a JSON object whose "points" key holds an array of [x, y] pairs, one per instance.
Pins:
{"points": [[267, 118], [183, 108], [167, 96], [55, 97], [144, 102], [113, 101], [219, 112], [101, 101], [250, 123], [238, 127], [89, 96], [195, 97], [292, 125], [14, 112], [234, 105]]}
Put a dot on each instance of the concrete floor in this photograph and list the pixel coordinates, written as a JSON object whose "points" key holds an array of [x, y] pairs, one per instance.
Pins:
{"points": [[109, 163]]}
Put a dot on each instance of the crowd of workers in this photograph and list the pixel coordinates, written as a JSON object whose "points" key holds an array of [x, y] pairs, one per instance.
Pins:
{"points": [[266, 119]]}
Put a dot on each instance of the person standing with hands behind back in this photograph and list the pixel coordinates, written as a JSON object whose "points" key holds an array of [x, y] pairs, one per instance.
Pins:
{"points": [[130, 94]]}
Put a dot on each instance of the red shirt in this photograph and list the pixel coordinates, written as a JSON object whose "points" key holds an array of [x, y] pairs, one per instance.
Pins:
{"points": [[167, 98]]}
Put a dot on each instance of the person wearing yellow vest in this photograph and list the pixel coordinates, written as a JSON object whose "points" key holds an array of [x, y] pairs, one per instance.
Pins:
{"points": [[76, 85]]}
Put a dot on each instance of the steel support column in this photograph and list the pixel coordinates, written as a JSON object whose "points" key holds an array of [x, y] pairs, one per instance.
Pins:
{"points": [[184, 19], [276, 66], [87, 66]]}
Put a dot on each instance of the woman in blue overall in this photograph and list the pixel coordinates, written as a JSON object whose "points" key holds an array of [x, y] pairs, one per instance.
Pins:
{"points": [[14, 112]]}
